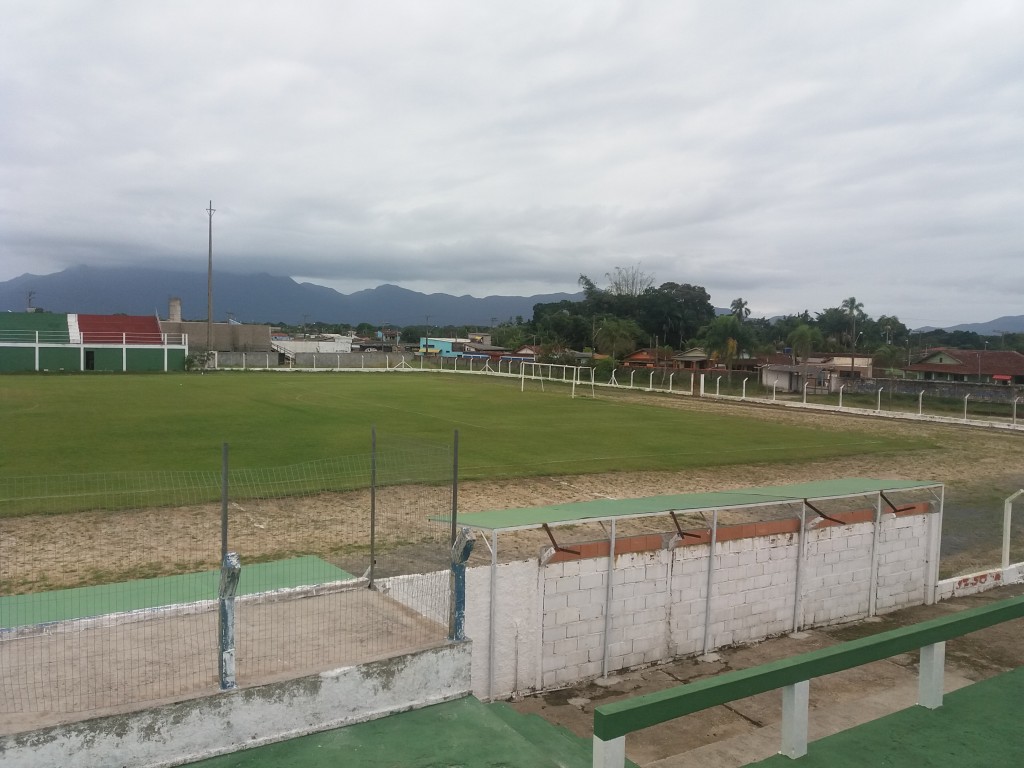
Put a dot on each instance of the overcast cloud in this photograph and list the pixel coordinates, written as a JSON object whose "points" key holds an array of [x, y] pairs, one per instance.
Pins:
{"points": [[790, 153]]}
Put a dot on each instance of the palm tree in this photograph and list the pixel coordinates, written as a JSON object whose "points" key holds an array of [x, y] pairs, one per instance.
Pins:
{"points": [[723, 337], [803, 339], [853, 308], [740, 309], [886, 356]]}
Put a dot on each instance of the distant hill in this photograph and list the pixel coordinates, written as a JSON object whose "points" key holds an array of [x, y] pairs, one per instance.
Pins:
{"points": [[1005, 324], [254, 298]]}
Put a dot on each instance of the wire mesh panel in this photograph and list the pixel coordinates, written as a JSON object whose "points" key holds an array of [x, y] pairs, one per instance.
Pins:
{"points": [[310, 534], [110, 585], [107, 584]]}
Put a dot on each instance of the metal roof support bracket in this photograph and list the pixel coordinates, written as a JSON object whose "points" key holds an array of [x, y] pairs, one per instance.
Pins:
{"points": [[892, 506], [555, 543], [679, 528], [819, 513]]}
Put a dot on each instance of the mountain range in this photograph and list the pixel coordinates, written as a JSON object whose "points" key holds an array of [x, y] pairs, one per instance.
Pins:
{"points": [[254, 298], [264, 298]]}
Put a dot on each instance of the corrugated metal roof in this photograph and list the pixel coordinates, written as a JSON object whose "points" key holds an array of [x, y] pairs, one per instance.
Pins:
{"points": [[608, 509]]}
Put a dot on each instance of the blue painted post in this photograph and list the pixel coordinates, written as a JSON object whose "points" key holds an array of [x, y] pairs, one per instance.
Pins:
{"points": [[461, 551], [230, 573]]}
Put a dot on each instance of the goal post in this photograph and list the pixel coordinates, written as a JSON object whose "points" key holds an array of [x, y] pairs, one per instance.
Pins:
{"points": [[572, 375]]}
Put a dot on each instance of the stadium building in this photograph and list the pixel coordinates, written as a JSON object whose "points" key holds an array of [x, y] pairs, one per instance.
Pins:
{"points": [[43, 341]]}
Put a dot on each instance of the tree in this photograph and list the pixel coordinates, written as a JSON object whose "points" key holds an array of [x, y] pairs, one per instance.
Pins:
{"points": [[803, 339], [740, 309], [853, 309], [508, 336], [834, 324], [629, 281], [724, 337], [675, 312], [887, 355], [617, 335]]}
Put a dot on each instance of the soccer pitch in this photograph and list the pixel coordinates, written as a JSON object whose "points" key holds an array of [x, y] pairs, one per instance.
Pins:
{"points": [[115, 423]]}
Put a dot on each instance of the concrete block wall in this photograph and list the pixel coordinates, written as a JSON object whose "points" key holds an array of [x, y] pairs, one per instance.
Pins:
{"points": [[639, 609], [838, 567], [550, 626], [902, 562], [754, 590], [573, 631], [689, 599], [573, 620]]}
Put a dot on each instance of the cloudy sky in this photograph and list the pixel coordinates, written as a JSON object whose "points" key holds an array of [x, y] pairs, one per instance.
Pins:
{"points": [[790, 153]]}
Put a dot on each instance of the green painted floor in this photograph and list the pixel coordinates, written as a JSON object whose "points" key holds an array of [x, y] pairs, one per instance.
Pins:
{"points": [[82, 602], [977, 727], [458, 734]]}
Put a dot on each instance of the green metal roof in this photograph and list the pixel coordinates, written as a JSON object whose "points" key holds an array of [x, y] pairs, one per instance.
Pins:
{"points": [[607, 509]]}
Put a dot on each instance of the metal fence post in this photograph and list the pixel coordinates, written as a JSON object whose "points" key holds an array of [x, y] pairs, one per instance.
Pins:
{"points": [[712, 545], [455, 488], [223, 502], [230, 572], [461, 551], [373, 506]]}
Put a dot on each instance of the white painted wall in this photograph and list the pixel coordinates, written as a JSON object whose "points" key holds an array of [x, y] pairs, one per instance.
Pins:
{"points": [[516, 631]]}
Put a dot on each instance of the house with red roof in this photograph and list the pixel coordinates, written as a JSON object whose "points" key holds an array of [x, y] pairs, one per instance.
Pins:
{"points": [[969, 365]]}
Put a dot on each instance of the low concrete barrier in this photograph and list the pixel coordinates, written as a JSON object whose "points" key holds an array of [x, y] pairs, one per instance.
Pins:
{"points": [[233, 720]]}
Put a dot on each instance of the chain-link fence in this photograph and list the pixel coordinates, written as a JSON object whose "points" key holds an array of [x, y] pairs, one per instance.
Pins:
{"points": [[113, 589]]}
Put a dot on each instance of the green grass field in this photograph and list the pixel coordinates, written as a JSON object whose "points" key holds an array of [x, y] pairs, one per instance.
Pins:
{"points": [[126, 423]]}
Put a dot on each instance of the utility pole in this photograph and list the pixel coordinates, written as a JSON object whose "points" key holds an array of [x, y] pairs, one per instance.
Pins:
{"points": [[209, 286]]}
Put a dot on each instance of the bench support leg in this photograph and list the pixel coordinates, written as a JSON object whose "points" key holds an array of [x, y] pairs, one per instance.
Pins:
{"points": [[794, 719], [932, 675], [610, 754]]}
